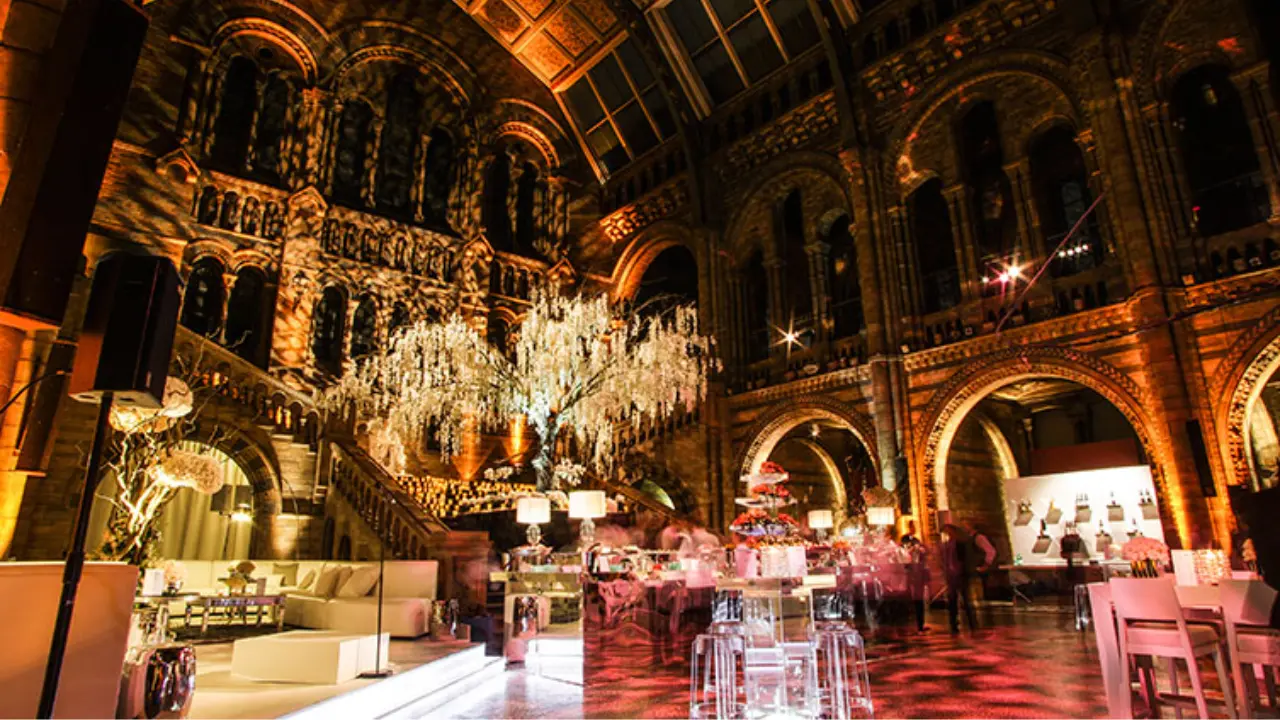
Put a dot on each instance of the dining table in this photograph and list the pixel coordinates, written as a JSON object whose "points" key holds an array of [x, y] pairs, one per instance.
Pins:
{"points": [[1200, 603]]}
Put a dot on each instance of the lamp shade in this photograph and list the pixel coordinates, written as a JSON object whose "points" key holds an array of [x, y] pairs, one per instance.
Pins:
{"points": [[587, 504], [533, 510], [880, 516], [821, 520]]}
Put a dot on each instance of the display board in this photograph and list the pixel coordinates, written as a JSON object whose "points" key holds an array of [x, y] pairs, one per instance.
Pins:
{"points": [[1116, 501]]}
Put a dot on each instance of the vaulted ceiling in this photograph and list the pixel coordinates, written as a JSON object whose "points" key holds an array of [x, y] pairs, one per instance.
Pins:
{"points": [[555, 39]]}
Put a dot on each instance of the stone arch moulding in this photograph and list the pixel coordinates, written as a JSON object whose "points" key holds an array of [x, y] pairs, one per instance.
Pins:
{"points": [[532, 136], [425, 65], [298, 50], [952, 404], [769, 430], [1043, 67], [782, 174], [258, 463], [1253, 357], [642, 250]]}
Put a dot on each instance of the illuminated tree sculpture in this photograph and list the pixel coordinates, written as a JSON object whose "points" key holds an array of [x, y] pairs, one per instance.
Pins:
{"points": [[577, 365]]}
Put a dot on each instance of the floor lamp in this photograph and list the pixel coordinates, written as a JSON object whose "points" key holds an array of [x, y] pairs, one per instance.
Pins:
{"points": [[378, 671]]}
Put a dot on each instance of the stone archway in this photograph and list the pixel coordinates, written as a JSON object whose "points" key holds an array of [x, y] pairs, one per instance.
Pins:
{"points": [[953, 403], [259, 465], [1253, 358], [770, 429]]}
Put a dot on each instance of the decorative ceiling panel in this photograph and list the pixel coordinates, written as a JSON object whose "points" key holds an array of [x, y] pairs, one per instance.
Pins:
{"points": [[555, 39], [535, 8], [544, 57], [503, 19], [571, 33]]}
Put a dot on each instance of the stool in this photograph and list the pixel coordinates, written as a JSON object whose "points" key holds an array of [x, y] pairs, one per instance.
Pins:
{"points": [[802, 678], [764, 675], [843, 686], [713, 676]]}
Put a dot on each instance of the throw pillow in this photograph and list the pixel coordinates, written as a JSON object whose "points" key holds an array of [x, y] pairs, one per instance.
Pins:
{"points": [[288, 570], [344, 573], [362, 580], [307, 579], [327, 583]]}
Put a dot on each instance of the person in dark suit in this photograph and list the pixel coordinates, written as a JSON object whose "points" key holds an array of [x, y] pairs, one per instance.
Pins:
{"points": [[958, 562]]}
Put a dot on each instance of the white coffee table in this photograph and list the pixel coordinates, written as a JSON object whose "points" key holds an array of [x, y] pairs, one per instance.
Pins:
{"points": [[318, 657]]}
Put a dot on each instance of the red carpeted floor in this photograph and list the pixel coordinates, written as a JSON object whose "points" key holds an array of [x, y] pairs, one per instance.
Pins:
{"points": [[1022, 665]]}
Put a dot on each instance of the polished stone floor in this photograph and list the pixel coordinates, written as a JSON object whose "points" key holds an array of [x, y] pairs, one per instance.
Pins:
{"points": [[1022, 664]]}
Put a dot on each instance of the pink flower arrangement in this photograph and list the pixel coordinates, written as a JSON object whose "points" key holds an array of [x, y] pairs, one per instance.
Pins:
{"points": [[1142, 548]]}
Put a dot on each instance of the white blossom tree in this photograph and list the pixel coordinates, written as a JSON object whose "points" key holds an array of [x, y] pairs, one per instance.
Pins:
{"points": [[577, 366]]}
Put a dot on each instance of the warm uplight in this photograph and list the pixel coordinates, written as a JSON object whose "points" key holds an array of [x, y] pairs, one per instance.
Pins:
{"points": [[241, 515]]}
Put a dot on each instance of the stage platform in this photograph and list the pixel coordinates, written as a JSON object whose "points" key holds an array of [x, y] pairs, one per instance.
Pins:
{"points": [[428, 674]]}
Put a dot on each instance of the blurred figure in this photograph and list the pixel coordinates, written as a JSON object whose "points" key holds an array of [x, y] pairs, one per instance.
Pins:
{"points": [[917, 575], [958, 561], [984, 559]]}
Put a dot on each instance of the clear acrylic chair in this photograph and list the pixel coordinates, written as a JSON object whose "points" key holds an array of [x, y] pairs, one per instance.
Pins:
{"points": [[1251, 642], [1150, 623], [765, 681], [715, 665], [831, 608], [802, 678], [843, 686], [762, 616]]}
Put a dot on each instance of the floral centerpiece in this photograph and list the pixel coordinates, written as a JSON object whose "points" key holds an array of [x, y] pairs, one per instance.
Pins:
{"points": [[758, 523], [1147, 556], [175, 574], [239, 576], [778, 491]]}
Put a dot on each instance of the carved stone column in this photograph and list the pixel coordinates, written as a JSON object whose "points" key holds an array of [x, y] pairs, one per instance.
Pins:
{"points": [[418, 192], [213, 106], [957, 198], [259, 95], [197, 85], [327, 150], [820, 285], [372, 153], [777, 305], [1031, 241], [1254, 88]]}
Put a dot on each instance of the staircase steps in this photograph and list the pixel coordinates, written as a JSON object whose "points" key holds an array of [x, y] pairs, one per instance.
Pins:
{"points": [[413, 693]]}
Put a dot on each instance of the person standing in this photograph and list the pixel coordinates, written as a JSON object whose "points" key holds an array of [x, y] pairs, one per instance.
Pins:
{"points": [[957, 549], [917, 576]]}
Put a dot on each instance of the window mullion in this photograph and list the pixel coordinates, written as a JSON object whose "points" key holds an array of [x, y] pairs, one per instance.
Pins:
{"points": [[636, 95], [773, 31], [724, 40]]}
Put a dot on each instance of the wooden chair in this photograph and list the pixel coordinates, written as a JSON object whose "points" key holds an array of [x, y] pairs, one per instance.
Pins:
{"points": [[1246, 611], [1151, 624]]}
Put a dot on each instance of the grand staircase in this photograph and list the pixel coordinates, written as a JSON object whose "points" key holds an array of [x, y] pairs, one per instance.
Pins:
{"points": [[325, 475]]}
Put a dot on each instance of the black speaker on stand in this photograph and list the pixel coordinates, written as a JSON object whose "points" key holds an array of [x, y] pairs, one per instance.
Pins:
{"points": [[124, 353]]}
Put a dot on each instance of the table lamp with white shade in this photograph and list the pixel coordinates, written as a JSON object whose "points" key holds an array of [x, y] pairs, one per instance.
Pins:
{"points": [[880, 516], [533, 511], [821, 521], [587, 505]]}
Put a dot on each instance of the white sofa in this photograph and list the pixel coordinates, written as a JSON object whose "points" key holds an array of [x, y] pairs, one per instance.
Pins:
{"points": [[410, 589]]}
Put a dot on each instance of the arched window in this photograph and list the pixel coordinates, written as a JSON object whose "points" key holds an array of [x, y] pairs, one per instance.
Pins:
{"points": [[1062, 196], [526, 209], [400, 318], [995, 225], [364, 328], [351, 153], [398, 150], [935, 247], [496, 214], [439, 183], [673, 274], [234, 124], [843, 280], [247, 313], [798, 298], [497, 333], [1218, 154], [755, 290], [202, 308], [268, 162], [328, 325]]}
